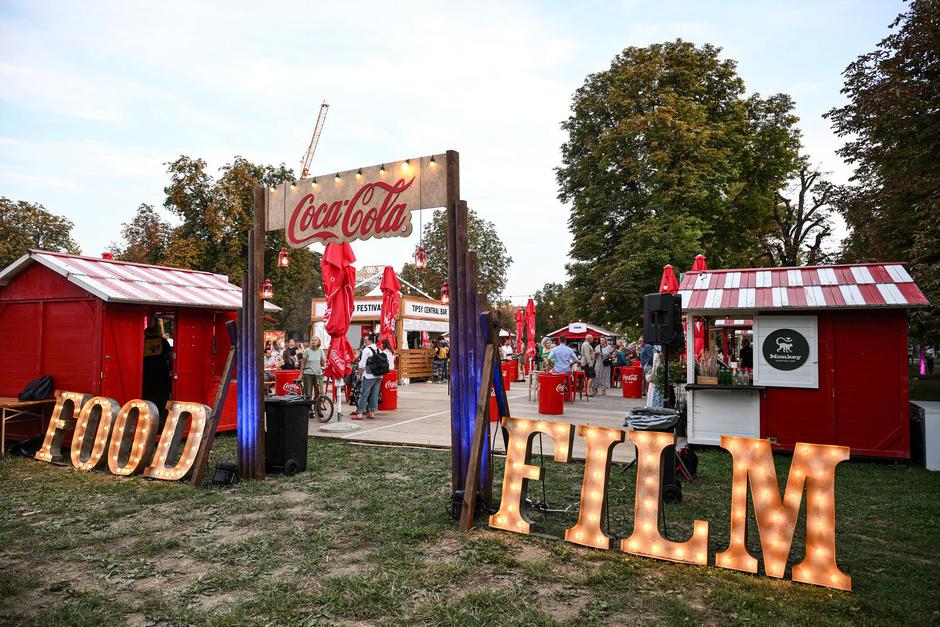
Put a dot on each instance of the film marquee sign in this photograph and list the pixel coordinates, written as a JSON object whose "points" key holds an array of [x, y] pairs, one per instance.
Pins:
{"points": [[813, 469]]}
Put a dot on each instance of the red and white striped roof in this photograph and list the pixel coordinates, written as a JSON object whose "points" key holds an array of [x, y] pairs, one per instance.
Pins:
{"points": [[819, 287], [123, 282]]}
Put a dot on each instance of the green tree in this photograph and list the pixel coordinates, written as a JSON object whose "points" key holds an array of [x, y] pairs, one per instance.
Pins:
{"points": [[146, 237], [666, 158], [29, 225], [553, 308], [215, 216], [892, 122], [493, 260]]}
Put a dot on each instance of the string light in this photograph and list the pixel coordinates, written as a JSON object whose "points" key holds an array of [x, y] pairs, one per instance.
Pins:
{"points": [[99, 411], [67, 406], [198, 414], [283, 258], [144, 436], [267, 290], [600, 444], [338, 179]]}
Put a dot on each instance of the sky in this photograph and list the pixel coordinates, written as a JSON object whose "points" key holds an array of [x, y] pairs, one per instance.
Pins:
{"points": [[95, 97]]}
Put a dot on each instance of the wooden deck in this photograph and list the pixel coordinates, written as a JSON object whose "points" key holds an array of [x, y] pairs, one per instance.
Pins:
{"points": [[423, 419]]}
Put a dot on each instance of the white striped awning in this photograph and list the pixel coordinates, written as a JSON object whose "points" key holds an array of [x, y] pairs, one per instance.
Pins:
{"points": [[123, 282], [821, 287]]}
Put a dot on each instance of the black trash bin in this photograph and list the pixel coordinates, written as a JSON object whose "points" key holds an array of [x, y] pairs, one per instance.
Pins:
{"points": [[285, 438], [660, 419]]}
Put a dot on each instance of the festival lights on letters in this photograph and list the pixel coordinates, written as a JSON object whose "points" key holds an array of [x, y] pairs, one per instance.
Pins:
{"points": [[128, 434], [813, 468]]}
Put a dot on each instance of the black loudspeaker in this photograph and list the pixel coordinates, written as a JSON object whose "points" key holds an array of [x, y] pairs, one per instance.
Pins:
{"points": [[662, 319]]}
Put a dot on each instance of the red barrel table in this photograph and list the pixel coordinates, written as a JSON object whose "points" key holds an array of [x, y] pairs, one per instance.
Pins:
{"points": [[631, 381], [494, 406], [506, 367], [552, 393], [284, 382], [389, 391]]}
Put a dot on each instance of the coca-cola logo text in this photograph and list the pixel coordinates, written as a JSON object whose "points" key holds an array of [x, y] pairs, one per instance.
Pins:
{"points": [[391, 385], [373, 211], [630, 378]]}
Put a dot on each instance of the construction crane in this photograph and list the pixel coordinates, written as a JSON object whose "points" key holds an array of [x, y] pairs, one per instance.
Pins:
{"points": [[308, 156]]}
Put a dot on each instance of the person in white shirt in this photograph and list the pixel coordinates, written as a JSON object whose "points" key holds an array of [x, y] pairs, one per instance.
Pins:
{"points": [[387, 349], [369, 392], [506, 350]]}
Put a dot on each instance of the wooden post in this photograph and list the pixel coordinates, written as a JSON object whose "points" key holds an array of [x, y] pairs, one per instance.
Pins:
{"points": [[453, 196], [212, 424], [479, 429], [257, 266]]}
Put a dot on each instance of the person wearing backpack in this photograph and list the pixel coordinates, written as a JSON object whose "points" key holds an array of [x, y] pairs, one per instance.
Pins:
{"points": [[373, 365]]}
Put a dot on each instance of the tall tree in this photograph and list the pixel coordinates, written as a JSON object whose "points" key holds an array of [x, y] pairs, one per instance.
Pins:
{"points": [[29, 225], [892, 122], [552, 308], [802, 220], [215, 215], [146, 237], [493, 260], [666, 158]]}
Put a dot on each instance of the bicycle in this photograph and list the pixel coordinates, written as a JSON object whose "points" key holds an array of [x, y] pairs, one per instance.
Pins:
{"points": [[322, 409]]}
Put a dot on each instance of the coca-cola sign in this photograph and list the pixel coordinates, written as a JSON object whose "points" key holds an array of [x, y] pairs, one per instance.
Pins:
{"points": [[359, 204]]}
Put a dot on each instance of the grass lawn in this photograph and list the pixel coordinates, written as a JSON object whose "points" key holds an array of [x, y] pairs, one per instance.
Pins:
{"points": [[927, 389], [363, 538]]}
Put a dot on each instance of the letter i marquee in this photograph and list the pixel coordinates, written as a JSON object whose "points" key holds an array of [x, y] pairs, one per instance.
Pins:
{"points": [[359, 204]]}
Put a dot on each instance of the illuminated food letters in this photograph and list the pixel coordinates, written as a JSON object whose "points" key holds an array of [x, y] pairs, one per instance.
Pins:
{"points": [[814, 466], [139, 419], [67, 407], [97, 414], [169, 440], [127, 434], [511, 515], [647, 538]]}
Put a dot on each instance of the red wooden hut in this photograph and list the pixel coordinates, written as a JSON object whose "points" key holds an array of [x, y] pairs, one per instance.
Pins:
{"points": [[827, 346], [82, 320]]}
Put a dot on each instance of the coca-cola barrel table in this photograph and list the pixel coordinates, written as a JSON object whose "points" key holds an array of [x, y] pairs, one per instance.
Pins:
{"points": [[389, 391], [494, 406], [631, 381], [552, 393], [284, 382], [508, 377]]}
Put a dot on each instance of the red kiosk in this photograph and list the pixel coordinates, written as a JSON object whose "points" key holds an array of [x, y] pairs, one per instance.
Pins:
{"points": [[828, 355], [82, 320]]}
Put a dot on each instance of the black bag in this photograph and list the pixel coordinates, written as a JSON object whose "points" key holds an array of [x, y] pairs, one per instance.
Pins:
{"points": [[378, 363], [610, 361], [38, 389], [589, 372]]}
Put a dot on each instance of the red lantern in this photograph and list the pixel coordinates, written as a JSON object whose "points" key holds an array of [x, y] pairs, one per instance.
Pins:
{"points": [[283, 259], [445, 294], [267, 290], [421, 258]]}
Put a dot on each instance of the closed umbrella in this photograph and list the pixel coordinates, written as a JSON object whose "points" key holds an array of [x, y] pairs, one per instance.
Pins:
{"points": [[530, 329], [670, 282], [391, 298], [520, 330], [698, 326], [339, 279], [425, 340]]}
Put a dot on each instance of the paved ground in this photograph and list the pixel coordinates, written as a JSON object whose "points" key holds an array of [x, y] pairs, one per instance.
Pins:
{"points": [[423, 418]]}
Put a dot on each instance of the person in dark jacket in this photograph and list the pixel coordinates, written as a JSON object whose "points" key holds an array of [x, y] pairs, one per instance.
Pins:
{"points": [[158, 365]]}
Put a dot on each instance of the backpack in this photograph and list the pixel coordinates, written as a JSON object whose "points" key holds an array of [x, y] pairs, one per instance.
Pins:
{"points": [[38, 389], [378, 363]]}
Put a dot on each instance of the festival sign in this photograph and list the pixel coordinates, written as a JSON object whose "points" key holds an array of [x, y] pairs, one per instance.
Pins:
{"points": [[374, 201], [124, 438], [812, 470]]}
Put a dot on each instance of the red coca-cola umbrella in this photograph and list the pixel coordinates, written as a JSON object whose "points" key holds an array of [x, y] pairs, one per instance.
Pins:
{"points": [[670, 282], [530, 329], [339, 279], [520, 330], [698, 326], [391, 298]]}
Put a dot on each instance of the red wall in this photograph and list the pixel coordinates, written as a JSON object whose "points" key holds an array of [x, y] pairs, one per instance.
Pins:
{"points": [[862, 399]]}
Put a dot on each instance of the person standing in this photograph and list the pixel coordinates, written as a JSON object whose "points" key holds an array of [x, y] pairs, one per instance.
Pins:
{"points": [[312, 364], [562, 357], [157, 380], [588, 359], [290, 356], [654, 397], [369, 393], [602, 366], [646, 356], [747, 355], [389, 354], [505, 351]]}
